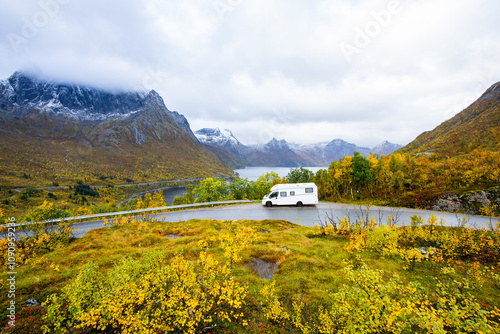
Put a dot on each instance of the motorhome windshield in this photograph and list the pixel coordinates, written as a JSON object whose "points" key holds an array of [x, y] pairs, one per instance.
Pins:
{"points": [[273, 194]]}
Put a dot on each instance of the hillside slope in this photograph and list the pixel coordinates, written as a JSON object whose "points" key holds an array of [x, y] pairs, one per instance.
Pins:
{"points": [[59, 133], [476, 127]]}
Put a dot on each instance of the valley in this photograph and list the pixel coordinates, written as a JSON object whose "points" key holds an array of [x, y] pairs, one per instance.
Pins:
{"points": [[57, 136]]}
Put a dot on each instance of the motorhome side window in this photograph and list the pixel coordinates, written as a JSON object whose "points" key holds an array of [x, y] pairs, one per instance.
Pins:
{"points": [[309, 190], [283, 194], [292, 193]]}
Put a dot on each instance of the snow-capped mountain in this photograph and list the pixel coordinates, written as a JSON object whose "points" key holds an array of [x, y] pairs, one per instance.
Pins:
{"points": [[275, 144], [216, 137], [322, 154], [23, 94], [71, 101], [224, 145], [275, 153], [386, 148], [234, 154]]}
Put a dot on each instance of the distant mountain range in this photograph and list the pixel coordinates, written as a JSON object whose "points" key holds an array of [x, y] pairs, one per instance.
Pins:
{"points": [[280, 153], [54, 132]]}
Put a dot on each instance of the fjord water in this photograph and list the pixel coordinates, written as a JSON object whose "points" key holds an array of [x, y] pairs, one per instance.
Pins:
{"points": [[169, 194], [253, 173]]}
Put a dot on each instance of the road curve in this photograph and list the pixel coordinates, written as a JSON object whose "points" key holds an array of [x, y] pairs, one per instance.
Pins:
{"points": [[305, 216]]}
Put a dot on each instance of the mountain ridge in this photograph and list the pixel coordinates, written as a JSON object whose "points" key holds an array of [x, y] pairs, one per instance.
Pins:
{"points": [[84, 103], [280, 152], [82, 132]]}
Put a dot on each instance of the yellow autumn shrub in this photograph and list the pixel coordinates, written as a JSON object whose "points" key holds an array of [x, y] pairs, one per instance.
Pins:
{"points": [[149, 296]]}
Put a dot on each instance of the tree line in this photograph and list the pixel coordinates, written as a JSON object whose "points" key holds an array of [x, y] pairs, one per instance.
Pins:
{"points": [[210, 189], [400, 179]]}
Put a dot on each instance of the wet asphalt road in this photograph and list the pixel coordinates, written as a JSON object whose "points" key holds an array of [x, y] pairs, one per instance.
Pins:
{"points": [[305, 216]]}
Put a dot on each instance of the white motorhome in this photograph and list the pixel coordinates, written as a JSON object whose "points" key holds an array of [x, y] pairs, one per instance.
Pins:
{"points": [[292, 194]]}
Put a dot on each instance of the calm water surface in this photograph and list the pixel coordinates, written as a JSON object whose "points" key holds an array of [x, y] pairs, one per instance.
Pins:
{"points": [[253, 173]]}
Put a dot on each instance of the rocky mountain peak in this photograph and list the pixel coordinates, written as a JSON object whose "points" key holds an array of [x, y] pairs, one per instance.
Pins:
{"points": [[217, 137], [491, 93], [23, 90], [76, 131], [155, 97], [209, 133], [277, 144], [280, 152], [337, 142], [26, 95]]}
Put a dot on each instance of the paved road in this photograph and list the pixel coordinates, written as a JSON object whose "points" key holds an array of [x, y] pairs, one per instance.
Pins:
{"points": [[305, 216]]}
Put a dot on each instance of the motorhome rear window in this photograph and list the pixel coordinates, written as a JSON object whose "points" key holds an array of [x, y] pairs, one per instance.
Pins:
{"points": [[283, 194], [309, 190]]}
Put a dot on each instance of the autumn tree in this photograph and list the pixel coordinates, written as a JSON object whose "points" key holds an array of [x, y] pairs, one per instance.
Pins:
{"points": [[189, 195], [158, 199], [44, 212], [148, 200], [139, 204], [321, 179], [298, 175], [265, 182], [361, 173], [339, 178], [239, 188], [210, 190]]}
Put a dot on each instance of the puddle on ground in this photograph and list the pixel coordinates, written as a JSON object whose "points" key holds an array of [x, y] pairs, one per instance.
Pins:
{"points": [[172, 236], [263, 269]]}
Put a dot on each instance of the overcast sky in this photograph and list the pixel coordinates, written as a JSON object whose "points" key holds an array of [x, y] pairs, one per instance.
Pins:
{"points": [[304, 71]]}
